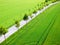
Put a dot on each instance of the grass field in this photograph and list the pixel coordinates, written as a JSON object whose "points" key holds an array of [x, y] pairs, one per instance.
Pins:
{"points": [[43, 30], [12, 10], [54, 35]]}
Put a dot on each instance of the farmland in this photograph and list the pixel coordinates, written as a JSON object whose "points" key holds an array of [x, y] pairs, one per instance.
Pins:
{"points": [[12, 10], [54, 35], [42, 30]]}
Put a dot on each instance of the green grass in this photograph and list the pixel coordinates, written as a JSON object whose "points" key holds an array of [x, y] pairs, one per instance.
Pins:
{"points": [[54, 35], [12, 10], [40, 30]]}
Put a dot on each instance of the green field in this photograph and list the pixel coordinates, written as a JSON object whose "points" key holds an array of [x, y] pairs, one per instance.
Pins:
{"points": [[54, 35], [43, 30], [12, 10]]}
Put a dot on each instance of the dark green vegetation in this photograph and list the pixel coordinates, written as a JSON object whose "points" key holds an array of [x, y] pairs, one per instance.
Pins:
{"points": [[2, 30], [51, 0], [25, 17], [12, 10], [44, 29], [17, 23]]}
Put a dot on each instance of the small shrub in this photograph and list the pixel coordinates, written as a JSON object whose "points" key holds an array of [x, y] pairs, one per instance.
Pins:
{"points": [[3, 30], [34, 11], [17, 23], [25, 17]]}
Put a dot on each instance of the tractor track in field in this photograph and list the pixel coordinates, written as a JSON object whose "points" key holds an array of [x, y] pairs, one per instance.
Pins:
{"points": [[13, 29], [51, 25], [46, 32]]}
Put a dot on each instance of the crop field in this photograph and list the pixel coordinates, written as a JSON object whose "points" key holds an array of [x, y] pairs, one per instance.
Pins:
{"points": [[42, 30], [12, 10], [54, 35]]}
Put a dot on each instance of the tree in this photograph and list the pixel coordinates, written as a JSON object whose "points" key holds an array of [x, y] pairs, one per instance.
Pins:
{"points": [[47, 0], [53, 1], [38, 7], [50, 0], [34, 11], [3, 31], [17, 23], [25, 17], [30, 13]]}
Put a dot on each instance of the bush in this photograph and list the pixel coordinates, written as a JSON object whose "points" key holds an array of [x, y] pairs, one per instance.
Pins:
{"points": [[3, 31], [39, 7], [35, 11], [25, 17], [17, 23], [51, 0]]}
